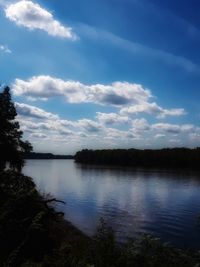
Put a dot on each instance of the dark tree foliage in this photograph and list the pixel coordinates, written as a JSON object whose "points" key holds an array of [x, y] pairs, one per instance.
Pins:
{"points": [[161, 158], [12, 146]]}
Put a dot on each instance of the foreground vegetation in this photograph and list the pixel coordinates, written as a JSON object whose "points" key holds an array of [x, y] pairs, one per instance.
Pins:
{"points": [[34, 234], [30, 228], [161, 158]]}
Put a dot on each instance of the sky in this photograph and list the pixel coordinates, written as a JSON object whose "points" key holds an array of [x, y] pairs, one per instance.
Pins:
{"points": [[103, 74]]}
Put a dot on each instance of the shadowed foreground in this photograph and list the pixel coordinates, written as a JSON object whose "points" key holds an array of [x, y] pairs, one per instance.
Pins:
{"points": [[34, 234]]}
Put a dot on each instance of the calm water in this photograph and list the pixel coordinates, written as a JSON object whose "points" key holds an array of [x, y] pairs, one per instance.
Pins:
{"points": [[132, 202]]}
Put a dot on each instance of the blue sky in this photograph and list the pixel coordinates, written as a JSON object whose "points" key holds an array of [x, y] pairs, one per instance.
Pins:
{"points": [[96, 74]]}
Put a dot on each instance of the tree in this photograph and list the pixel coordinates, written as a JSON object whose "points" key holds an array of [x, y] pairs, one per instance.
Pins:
{"points": [[12, 147]]}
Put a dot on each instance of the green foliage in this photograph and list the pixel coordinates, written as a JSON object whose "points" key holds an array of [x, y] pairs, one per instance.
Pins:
{"points": [[11, 145]]}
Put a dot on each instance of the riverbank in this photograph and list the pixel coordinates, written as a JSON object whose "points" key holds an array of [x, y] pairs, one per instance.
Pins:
{"points": [[34, 234]]}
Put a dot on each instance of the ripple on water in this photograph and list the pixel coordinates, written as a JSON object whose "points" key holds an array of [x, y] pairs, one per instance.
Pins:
{"points": [[163, 204]]}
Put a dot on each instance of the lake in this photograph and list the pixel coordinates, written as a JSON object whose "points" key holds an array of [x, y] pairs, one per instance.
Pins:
{"points": [[165, 204]]}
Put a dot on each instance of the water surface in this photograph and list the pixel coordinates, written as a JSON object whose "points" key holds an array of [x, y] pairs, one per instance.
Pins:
{"points": [[165, 204]]}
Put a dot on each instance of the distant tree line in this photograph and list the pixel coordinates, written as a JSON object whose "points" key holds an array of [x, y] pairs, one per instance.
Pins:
{"points": [[148, 158], [34, 155]]}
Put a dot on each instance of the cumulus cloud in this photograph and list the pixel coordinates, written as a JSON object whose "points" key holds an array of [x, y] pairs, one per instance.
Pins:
{"points": [[116, 94], [66, 132], [131, 97], [31, 111], [33, 16], [113, 133], [140, 125], [41, 127], [111, 118], [174, 142], [33, 118], [39, 135], [160, 136], [89, 125], [153, 109], [195, 137], [5, 49], [174, 128]]}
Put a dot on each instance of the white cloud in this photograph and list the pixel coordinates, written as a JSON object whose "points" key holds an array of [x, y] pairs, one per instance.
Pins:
{"points": [[140, 125], [33, 16], [89, 125], [133, 98], [160, 136], [39, 135], [153, 109], [195, 137], [47, 130], [174, 128], [111, 118], [116, 94], [36, 119], [171, 112], [31, 111], [112, 133], [5, 49], [166, 127]]}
